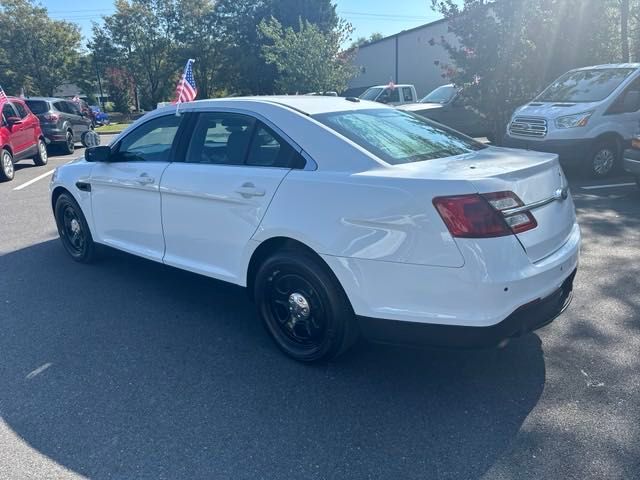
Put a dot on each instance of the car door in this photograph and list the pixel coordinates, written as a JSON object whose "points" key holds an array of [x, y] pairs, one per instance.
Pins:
{"points": [[29, 124], [214, 201], [80, 122], [17, 132], [125, 192], [625, 111]]}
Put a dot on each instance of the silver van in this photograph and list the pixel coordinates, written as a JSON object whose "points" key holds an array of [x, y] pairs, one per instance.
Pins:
{"points": [[587, 116]]}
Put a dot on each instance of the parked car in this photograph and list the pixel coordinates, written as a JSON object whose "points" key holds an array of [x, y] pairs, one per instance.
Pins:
{"points": [[632, 158], [20, 138], [62, 122], [340, 216], [446, 106], [391, 94], [101, 118], [587, 116]]}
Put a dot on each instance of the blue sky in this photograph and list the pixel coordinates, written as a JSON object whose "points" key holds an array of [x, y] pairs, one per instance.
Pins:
{"points": [[367, 16]]}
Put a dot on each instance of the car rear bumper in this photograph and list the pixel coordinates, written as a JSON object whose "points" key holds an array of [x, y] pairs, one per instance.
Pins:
{"points": [[525, 319], [53, 134], [571, 152], [496, 280], [631, 162]]}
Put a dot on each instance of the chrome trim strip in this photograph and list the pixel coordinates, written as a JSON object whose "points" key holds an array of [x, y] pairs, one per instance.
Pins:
{"points": [[561, 194]]}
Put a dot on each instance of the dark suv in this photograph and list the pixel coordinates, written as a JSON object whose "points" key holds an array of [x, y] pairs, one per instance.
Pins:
{"points": [[62, 121]]}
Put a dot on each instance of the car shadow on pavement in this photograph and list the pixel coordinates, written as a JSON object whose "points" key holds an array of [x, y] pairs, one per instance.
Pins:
{"points": [[130, 369]]}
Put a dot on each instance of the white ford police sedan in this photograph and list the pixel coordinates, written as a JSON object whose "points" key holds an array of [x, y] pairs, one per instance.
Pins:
{"points": [[341, 216]]}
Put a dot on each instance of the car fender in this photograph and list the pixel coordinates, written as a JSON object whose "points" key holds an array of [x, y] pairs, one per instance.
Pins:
{"points": [[67, 177]]}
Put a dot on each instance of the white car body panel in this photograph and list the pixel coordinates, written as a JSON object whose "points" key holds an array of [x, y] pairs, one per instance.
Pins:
{"points": [[374, 224]]}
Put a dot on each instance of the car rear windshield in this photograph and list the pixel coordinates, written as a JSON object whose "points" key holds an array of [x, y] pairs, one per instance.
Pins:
{"points": [[371, 94], [585, 86], [398, 137], [37, 106], [442, 95]]}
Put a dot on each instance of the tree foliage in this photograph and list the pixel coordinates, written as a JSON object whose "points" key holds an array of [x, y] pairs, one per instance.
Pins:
{"points": [[506, 51], [37, 52], [306, 58]]}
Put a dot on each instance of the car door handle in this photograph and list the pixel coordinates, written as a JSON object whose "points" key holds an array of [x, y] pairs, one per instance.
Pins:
{"points": [[249, 190], [145, 179]]}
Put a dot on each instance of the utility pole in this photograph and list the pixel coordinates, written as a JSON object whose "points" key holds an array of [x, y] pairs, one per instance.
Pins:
{"points": [[95, 63], [624, 29]]}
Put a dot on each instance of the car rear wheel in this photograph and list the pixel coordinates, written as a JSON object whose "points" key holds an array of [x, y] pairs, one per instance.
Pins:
{"points": [[41, 157], [73, 230], [604, 159], [303, 307], [69, 144], [7, 171]]}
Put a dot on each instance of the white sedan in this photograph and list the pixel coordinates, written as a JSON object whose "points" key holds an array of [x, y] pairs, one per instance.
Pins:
{"points": [[341, 216]]}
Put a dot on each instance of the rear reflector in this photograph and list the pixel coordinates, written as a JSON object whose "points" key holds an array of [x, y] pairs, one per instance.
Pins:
{"points": [[480, 216]]}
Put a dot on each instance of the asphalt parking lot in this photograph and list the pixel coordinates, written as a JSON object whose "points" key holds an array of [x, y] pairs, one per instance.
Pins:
{"points": [[131, 370]]}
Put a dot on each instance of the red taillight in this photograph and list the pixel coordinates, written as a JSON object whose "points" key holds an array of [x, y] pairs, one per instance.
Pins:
{"points": [[481, 216], [51, 117]]}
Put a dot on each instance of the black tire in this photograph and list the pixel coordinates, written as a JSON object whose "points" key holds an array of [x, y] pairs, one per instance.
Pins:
{"points": [[604, 159], [42, 156], [73, 230], [326, 329], [7, 170], [69, 145]]}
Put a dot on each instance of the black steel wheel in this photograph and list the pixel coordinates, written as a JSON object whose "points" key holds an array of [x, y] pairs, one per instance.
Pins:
{"points": [[73, 229], [303, 307], [41, 157]]}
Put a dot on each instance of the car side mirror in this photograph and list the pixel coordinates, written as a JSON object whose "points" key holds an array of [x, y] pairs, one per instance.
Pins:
{"points": [[631, 101], [98, 154]]}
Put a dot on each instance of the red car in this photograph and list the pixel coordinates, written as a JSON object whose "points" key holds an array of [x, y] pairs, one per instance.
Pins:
{"points": [[20, 138]]}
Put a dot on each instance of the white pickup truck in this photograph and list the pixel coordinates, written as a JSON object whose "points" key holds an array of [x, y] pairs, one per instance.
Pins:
{"points": [[391, 94]]}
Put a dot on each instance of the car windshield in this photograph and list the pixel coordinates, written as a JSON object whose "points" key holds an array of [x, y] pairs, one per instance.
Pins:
{"points": [[37, 106], [398, 137], [441, 95], [371, 94], [585, 85]]}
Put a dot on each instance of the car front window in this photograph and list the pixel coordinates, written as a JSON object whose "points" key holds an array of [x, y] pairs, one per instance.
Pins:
{"points": [[398, 137], [585, 86]]}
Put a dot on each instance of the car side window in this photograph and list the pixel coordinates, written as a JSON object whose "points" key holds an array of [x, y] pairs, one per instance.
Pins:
{"points": [[8, 111], [407, 94], [269, 150], [150, 142], [72, 108], [20, 108], [61, 107], [623, 104], [220, 138]]}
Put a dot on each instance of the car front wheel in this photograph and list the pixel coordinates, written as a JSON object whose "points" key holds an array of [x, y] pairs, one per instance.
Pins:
{"points": [[41, 157], [74, 230], [303, 307], [604, 159], [7, 171]]}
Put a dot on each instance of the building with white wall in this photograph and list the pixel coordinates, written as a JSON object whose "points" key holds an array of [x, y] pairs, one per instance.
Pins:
{"points": [[406, 57]]}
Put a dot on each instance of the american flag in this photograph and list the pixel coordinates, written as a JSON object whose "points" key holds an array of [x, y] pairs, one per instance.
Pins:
{"points": [[3, 98], [76, 99], [187, 90]]}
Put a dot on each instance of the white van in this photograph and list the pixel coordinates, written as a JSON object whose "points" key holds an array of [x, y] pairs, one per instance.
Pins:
{"points": [[588, 117], [391, 94]]}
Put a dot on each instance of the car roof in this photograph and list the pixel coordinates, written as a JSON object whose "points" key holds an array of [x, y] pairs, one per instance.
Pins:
{"points": [[635, 66], [395, 85], [46, 99], [305, 104]]}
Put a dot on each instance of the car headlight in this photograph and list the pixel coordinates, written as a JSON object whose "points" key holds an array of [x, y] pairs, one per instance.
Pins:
{"points": [[573, 121]]}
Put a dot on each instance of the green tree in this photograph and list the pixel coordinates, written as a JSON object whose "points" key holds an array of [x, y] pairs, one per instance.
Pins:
{"points": [[140, 38], [37, 52], [361, 41], [506, 51], [307, 59]]}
